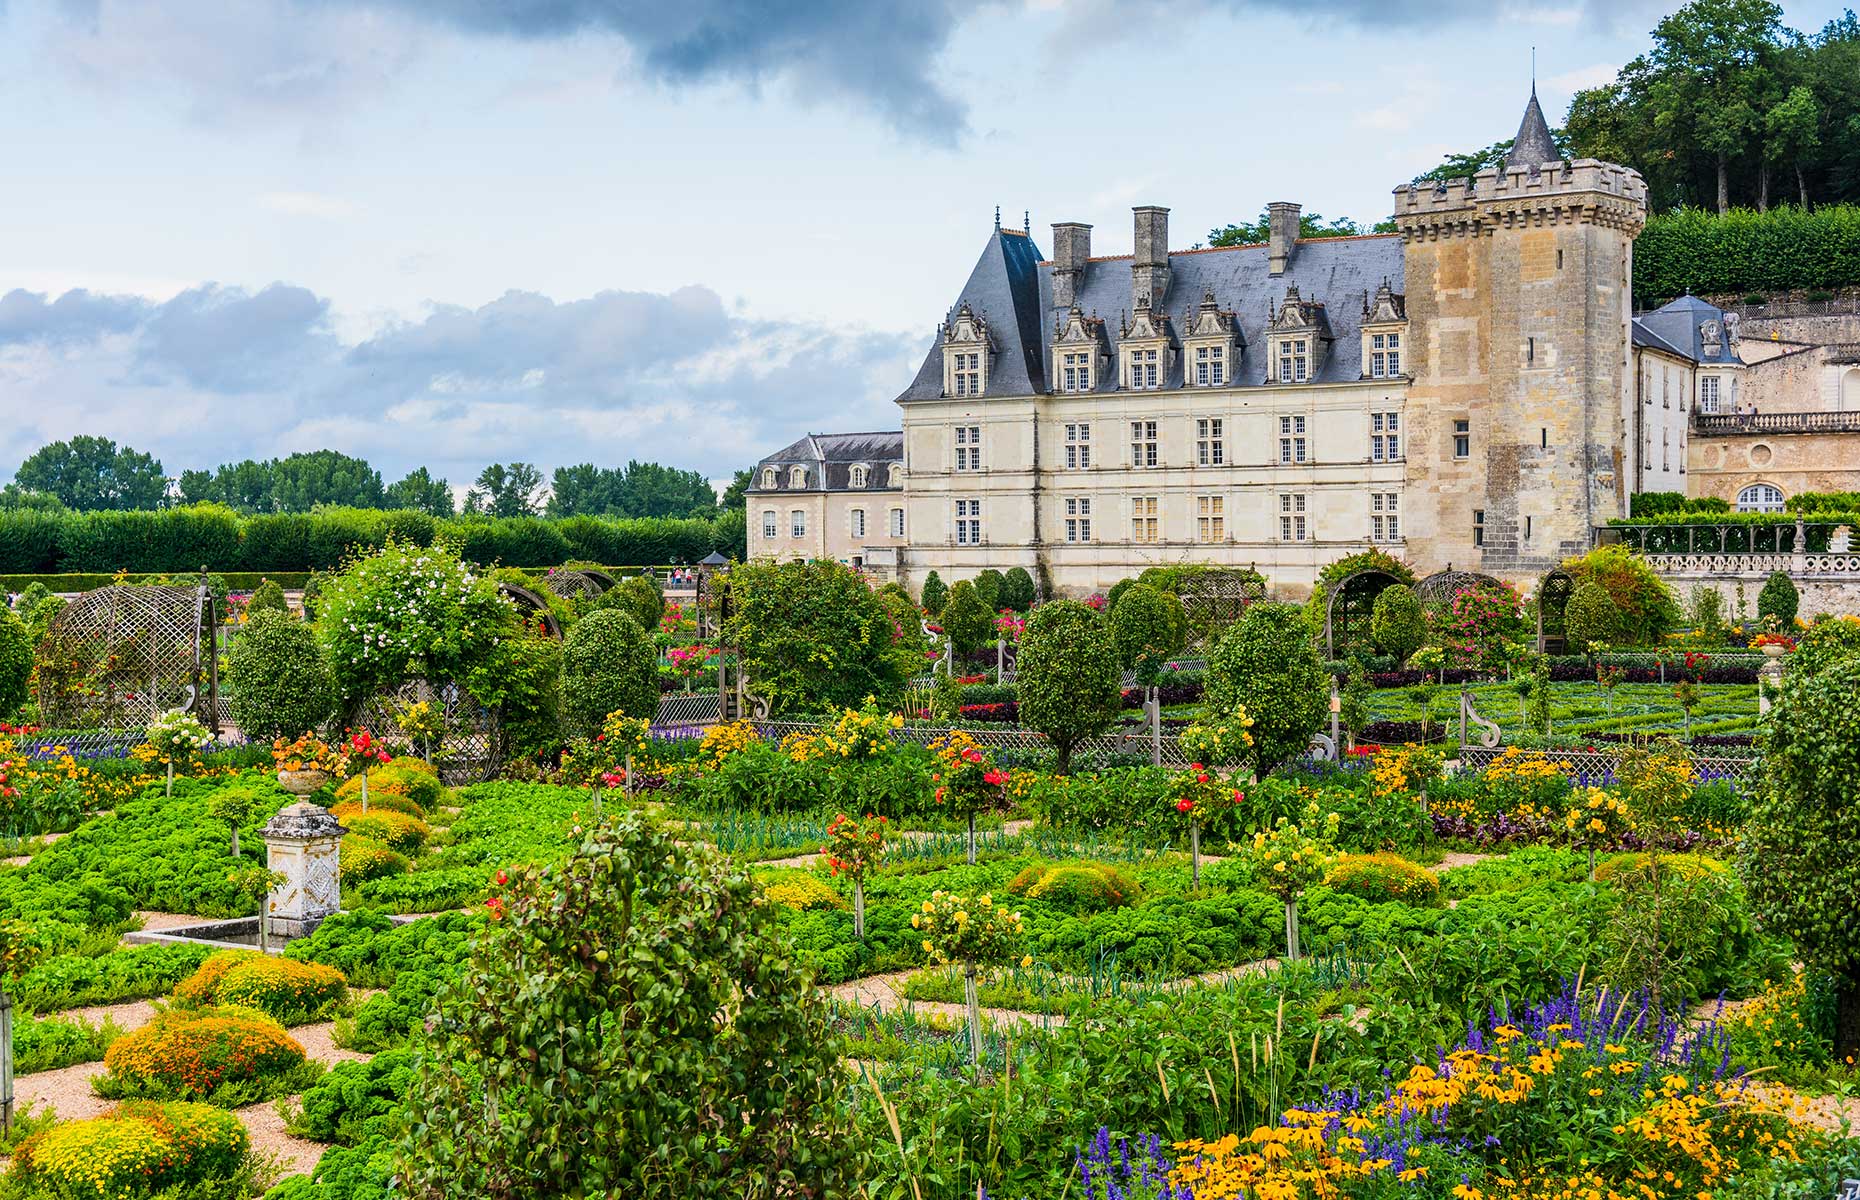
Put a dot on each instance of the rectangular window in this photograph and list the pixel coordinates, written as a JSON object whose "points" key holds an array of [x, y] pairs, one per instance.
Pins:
{"points": [[797, 523], [858, 523], [1075, 371], [1143, 370], [768, 522], [1294, 360], [1384, 516], [1291, 517], [1210, 366], [1384, 437], [968, 447], [1478, 526], [1384, 355], [1209, 442], [897, 523], [1666, 453], [1078, 519], [1708, 394], [1527, 528], [1291, 439], [968, 374], [968, 522], [1211, 518], [1145, 519], [1078, 446], [1462, 439], [1143, 444]]}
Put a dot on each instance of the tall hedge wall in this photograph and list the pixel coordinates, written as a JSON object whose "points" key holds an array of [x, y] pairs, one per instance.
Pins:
{"points": [[182, 539], [1746, 251]]}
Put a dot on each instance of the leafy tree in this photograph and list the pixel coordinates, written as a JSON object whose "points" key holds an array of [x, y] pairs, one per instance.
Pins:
{"points": [[1465, 166], [91, 473], [1148, 630], [1310, 225], [1068, 680], [638, 490], [704, 1052], [278, 684], [638, 598], [1017, 590], [910, 648], [15, 662], [608, 665], [245, 486], [1396, 622], [1797, 852], [420, 492], [14, 498], [935, 592], [304, 481], [988, 589], [1269, 662], [810, 635], [1830, 640], [505, 491], [737, 494], [1591, 617], [1354, 712], [268, 596], [581, 490], [967, 620], [1646, 607], [1779, 600]]}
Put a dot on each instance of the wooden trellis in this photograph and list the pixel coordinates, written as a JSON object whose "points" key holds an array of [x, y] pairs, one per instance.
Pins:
{"points": [[116, 657], [1347, 610], [1214, 600], [1440, 587], [530, 606], [1553, 593], [579, 583], [471, 747]]}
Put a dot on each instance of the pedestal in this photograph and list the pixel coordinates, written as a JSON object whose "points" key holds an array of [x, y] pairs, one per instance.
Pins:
{"points": [[304, 844]]}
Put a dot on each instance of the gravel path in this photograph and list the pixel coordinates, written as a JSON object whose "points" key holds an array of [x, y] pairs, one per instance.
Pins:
{"points": [[265, 1125], [156, 922], [1460, 858]]}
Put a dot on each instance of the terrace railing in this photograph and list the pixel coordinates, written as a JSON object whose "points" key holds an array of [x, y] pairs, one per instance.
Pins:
{"points": [[1727, 424]]}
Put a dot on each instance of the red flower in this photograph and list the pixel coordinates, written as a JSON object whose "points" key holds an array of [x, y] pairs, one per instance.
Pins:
{"points": [[502, 877], [1201, 779], [496, 908], [1184, 804], [995, 778]]}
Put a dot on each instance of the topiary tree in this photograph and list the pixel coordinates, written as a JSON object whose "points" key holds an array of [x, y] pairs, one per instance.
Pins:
{"points": [[267, 597], [968, 620], [1591, 617], [1798, 854], [1646, 609], [1396, 623], [15, 662], [1268, 662], [637, 598], [910, 648], [608, 665], [1068, 681], [988, 586], [29, 596], [278, 684], [810, 635], [1017, 590], [1778, 601], [1353, 711], [1117, 593], [703, 1052], [935, 592]]}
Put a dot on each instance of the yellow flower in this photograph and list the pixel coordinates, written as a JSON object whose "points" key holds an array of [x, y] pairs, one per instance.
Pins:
{"points": [[1026, 960]]}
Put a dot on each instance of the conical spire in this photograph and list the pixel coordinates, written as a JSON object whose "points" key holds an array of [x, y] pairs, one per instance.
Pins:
{"points": [[1533, 146]]}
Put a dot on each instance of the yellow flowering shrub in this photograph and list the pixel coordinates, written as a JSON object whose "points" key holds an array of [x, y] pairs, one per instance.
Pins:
{"points": [[188, 1055], [1404, 770], [1290, 858], [721, 741], [857, 733], [1777, 1027], [978, 931], [364, 858], [801, 892], [284, 989], [395, 830], [1525, 784], [137, 1149], [412, 778], [1597, 818], [1379, 878]]}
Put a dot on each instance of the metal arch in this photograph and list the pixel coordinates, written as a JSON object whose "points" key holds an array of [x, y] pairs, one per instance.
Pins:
{"points": [[1442, 586], [529, 602], [1215, 599], [1553, 593], [579, 583], [1356, 607], [118, 656]]}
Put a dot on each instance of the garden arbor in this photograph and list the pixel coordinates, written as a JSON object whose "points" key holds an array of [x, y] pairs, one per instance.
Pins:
{"points": [[116, 657], [578, 583], [1553, 593], [1440, 587], [531, 606], [1214, 600], [1348, 609]]}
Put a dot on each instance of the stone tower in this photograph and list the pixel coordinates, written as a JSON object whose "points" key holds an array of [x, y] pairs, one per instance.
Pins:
{"points": [[1518, 308]]}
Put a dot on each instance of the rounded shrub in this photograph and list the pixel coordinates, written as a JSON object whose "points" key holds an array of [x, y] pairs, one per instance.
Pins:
{"points": [[411, 779], [1017, 590], [267, 597], [1779, 599], [608, 666], [278, 684], [1148, 628], [1645, 609], [15, 662], [364, 859], [637, 598], [1269, 662], [967, 618], [1069, 684], [1084, 888], [395, 830], [228, 1059], [284, 989], [1396, 622], [934, 593], [1591, 616], [1385, 878], [140, 1148], [801, 891]]}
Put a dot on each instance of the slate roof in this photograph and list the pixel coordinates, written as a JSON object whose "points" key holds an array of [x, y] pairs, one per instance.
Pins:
{"points": [[1678, 328], [832, 456], [1533, 147], [1013, 289]]}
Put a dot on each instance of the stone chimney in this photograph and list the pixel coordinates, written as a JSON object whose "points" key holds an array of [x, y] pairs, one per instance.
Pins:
{"points": [[1071, 247], [1149, 272], [1281, 235]]}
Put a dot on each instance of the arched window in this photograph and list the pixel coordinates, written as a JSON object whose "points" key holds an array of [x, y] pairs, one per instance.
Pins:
{"points": [[1760, 498], [1849, 399], [895, 477], [860, 474], [768, 477], [797, 477]]}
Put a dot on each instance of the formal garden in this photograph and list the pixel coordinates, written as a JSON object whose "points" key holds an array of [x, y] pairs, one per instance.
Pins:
{"points": [[946, 895]]}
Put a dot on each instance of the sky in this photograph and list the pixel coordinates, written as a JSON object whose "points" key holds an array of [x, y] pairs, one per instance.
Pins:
{"points": [[453, 232]]}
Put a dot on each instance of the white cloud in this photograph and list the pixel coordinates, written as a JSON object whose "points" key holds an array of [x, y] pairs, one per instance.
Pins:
{"points": [[308, 204], [1581, 78]]}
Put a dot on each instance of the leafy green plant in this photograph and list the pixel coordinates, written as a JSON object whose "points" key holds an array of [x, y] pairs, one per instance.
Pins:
{"points": [[1778, 601], [934, 593], [810, 636], [1268, 664], [968, 620], [608, 666], [1068, 682], [1397, 624]]}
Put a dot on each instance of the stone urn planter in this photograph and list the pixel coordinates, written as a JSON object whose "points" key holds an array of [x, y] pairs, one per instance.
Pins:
{"points": [[1771, 651], [302, 783]]}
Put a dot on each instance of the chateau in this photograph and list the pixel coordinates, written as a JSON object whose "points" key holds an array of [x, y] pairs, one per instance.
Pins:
{"points": [[1472, 390]]}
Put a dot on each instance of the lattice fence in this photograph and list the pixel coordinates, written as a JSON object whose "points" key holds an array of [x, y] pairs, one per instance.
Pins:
{"points": [[117, 656], [473, 745], [1006, 738], [1598, 768]]}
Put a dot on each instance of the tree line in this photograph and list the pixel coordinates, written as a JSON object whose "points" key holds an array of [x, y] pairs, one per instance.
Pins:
{"points": [[94, 474]]}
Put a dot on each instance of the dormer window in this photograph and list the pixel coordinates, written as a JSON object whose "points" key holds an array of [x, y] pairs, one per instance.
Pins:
{"points": [[1294, 360], [1300, 330], [966, 349], [797, 477], [1145, 342], [895, 476], [1078, 340], [768, 478], [860, 475], [1210, 366], [1212, 345], [1075, 371], [1385, 319], [1144, 372], [1384, 355], [968, 374]]}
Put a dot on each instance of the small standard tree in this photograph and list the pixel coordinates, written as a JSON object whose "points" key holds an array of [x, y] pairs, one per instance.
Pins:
{"points": [[1069, 684], [1396, 623], [988, 586], [1290, 858], [854, 849], [267, 597], [1778, 601], [636, 597], [277, 681], [977, 934], [1268, 664], [701, 1051], [968, 619], [234, 806], [811, 635], [934, 593], [1798, 859], [608, 665], [1148, 629], [1591, 617]]}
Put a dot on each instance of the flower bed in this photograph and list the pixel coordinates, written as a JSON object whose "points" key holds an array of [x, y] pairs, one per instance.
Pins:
{"points": [[292, 993], [228, 1059], [137, 1149]]}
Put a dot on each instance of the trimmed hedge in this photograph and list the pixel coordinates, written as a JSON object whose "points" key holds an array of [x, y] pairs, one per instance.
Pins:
{"points": [[1746, 251]]}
